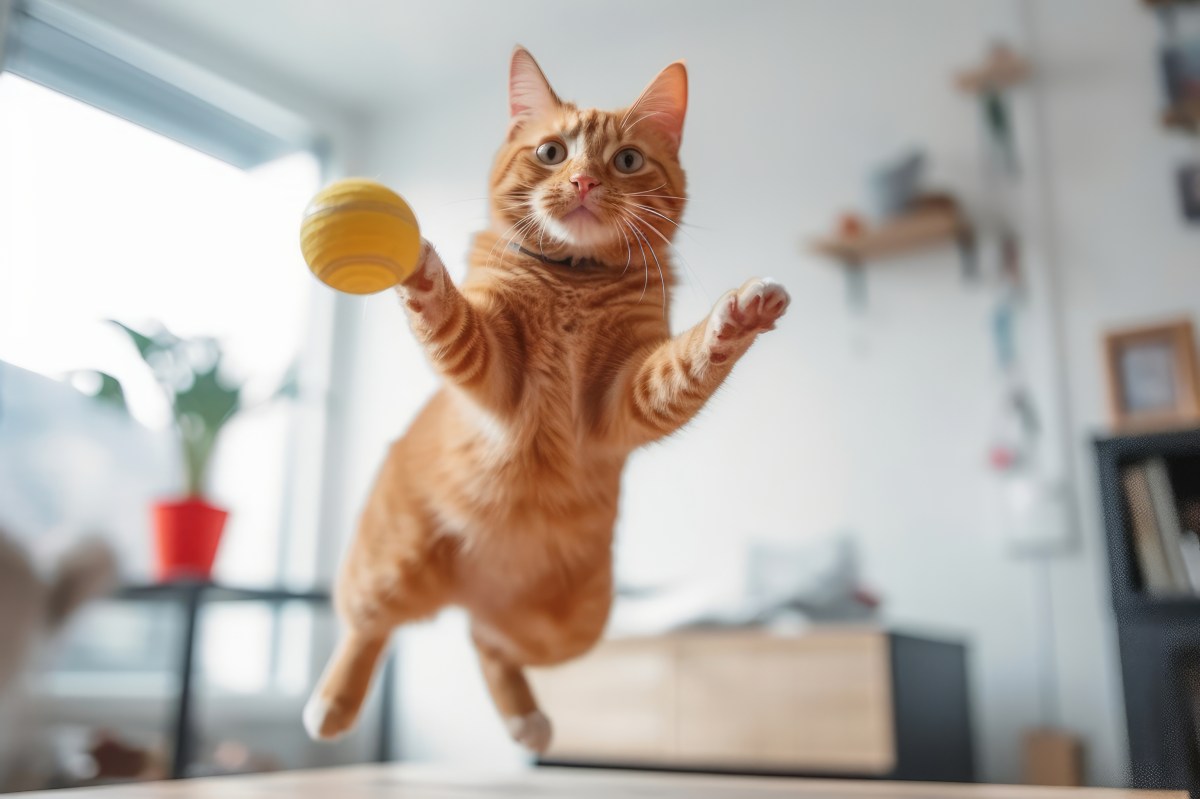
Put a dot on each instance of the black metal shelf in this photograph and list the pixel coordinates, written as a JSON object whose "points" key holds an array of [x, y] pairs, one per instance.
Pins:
{"points": [[1159, 636], [1161, 610]]}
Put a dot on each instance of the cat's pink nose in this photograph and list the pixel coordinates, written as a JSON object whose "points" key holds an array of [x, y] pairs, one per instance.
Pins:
{"points": [[584, 184]]}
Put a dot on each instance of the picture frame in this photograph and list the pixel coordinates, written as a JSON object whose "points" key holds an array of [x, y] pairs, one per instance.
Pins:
{"points": [[1153, 376]]}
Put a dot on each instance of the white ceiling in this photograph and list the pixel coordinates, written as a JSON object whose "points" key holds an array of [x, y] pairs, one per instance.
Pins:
{"points": [[368, 56]]}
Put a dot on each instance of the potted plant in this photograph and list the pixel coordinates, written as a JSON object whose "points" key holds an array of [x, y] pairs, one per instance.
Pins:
{"points": [[188, 529]]}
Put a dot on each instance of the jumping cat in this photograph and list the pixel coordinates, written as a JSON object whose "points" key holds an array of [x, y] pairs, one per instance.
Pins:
{"points": [[558, 362]]}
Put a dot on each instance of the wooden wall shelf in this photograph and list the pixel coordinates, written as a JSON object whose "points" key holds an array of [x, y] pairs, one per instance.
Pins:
{"points": [[921, 228]]}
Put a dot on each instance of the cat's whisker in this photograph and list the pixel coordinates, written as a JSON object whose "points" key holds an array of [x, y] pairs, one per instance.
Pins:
{"points": [[686, 264], [678, 225], [657, 263], [529, 220], [628, 249], [492, 251], [541, 235], [656, 188], [657, 196], [645, 261]]}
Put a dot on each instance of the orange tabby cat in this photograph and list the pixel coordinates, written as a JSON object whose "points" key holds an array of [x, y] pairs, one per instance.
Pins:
{"points": [[558, 362]]}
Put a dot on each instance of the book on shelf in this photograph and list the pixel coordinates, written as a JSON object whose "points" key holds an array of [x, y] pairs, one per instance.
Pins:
{"points": [[1166, 514], [1168, 557], [1190, 544], [1147, 545]]}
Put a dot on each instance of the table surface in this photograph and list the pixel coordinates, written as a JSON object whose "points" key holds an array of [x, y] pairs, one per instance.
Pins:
{"points": [[416, 782]]}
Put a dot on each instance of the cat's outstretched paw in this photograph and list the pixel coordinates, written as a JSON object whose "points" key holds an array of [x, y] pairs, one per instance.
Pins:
{"points": [[532, 731], [428, 274], [422, 291], [745, 312]]}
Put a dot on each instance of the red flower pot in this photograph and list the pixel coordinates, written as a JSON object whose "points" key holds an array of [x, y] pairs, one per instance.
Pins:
{"points": [[188, 532]]}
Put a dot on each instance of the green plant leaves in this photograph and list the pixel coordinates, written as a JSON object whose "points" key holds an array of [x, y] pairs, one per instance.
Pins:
{"points": [[188, 371], [111, 391]]}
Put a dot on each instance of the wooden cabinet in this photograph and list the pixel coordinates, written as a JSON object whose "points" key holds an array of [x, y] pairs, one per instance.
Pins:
{"points": [[820, 703]]}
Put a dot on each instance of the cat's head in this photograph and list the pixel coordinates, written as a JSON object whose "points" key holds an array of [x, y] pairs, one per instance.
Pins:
{"points": [[586, 183]]}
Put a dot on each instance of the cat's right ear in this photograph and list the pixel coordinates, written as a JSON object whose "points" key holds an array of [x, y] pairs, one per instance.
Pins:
{"points": [[529, 93]]}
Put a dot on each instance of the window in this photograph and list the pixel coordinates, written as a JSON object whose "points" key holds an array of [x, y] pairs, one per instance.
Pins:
{"points": [[103, 219]]}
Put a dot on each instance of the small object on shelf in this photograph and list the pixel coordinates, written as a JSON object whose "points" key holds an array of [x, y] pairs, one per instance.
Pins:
{"points": [[1153, 377], [111, 758], [1179, 62], [1052, 757], [1147, 543], [850, 225], [1182, 117], [1002, 69], [897, 184], [1189, 190], [990, 81], [1166, 516]]}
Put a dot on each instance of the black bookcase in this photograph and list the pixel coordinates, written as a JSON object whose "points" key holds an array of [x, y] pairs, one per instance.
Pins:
{"points": [[1159, 637]]}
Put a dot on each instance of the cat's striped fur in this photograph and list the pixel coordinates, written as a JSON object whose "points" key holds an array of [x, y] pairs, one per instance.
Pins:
{"points": [[558, 362]]}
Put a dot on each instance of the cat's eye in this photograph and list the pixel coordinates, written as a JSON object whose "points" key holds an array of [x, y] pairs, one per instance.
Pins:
{"points": [[551, 153], [628, 161]]}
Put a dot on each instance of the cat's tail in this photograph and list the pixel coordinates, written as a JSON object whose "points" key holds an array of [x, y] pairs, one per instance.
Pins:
{"points": [[334, 705]]}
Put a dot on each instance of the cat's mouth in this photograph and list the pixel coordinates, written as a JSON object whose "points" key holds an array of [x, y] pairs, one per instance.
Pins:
{"points": [[583, 226], [582, 214]]}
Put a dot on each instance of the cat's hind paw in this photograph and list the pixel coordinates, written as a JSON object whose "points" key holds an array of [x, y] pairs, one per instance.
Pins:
{"points": [[532, 731], [323, 721]]}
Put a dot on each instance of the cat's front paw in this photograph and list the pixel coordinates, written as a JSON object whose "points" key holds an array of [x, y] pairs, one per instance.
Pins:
{"points": [[745, 313], [422, 285]]}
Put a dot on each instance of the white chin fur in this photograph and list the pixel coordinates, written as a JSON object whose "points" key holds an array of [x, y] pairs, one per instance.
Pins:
{"points": [[586, 234]]}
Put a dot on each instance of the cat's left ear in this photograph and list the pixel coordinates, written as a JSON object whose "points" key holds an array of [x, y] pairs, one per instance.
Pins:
{"points": [[529, 93], [663, 104]]}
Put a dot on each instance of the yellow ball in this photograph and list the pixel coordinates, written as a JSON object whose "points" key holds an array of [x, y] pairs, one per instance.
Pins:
{"points": [[360, 237]]}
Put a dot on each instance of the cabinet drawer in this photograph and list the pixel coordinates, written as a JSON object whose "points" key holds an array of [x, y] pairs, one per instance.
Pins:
{"points": [[818, 702], [615, 704]]}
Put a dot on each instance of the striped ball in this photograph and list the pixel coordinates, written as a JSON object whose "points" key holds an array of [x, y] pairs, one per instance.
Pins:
{"points": [[359, 237]]}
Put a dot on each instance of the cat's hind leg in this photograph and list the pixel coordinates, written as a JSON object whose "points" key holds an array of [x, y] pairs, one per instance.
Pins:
{"points": [[335, 704], [513, 697], [396, 571]]}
